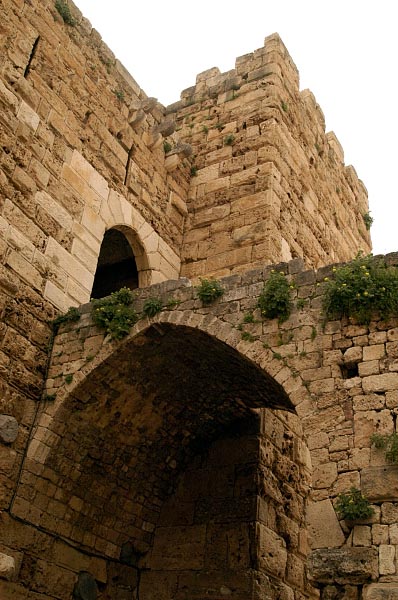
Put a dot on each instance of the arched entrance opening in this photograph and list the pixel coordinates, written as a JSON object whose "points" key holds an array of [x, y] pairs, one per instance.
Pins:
{"points": [[120, 261], [175, 460]]}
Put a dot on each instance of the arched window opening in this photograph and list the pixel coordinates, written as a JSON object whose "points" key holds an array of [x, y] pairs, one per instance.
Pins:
{"points": [[116, 266]]}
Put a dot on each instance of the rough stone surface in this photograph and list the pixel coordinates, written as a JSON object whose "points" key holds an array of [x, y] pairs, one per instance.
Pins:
{"points": [[178, 456], [7, 566], [323, 526], [380, 484], [8, 429], [343, 565], [380, 591]]}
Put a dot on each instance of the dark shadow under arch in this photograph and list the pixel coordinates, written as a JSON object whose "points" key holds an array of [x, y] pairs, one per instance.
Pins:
{"points": [[132, 438]]}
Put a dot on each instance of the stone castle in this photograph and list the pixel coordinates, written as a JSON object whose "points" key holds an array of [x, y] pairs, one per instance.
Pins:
{"points": [[200, 457]]}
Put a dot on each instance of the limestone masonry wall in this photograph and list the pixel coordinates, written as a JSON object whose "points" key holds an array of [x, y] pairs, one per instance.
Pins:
{"points": [[180, 463], [269, 184]]}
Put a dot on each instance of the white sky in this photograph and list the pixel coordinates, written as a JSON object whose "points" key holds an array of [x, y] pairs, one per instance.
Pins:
{"points": [[346, 52]]}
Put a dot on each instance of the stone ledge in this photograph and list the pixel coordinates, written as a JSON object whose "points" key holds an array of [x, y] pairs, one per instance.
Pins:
{"points": [[343, 565]]}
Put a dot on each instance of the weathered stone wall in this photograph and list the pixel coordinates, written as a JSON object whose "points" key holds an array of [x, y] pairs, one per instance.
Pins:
{"points": [[87, 480], [341, 380], [76, 159], [269, 183]]}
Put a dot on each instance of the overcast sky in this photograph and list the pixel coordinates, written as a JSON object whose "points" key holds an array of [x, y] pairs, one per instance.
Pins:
{"points": [[346, 52]]}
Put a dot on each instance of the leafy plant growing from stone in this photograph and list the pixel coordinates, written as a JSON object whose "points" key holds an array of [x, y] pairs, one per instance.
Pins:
{"points": [[115, 313], [152, 306], [275, 299], [64, 10], [209, 290], [368, 220], [388, 443], [352, 505], [71, 316], [360, 289], [229, 139], [167, 147]]}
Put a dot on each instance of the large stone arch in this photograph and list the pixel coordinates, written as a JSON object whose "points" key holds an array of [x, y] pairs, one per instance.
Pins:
{"points": [[180, 396]]}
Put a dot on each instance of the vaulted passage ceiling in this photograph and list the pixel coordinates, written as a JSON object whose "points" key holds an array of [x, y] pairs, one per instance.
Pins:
{"points": [[140, 417]]}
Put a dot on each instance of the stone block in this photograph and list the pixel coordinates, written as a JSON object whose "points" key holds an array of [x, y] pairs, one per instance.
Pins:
{"points": [[178, 548], [380, 383], [386, 559], [362, 536], [374, 352], [7, 566], [379, 484], [8, 429], [272, 553], [323, 526], [380, 591], [380, 534], [28, 116], [352, 566], [324, 475]]}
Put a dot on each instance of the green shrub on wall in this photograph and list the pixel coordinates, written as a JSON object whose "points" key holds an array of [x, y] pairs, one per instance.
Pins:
{"points": [[115, 313], [352, 505], [209, 290], [388, 443], [275, 299], [360, 289]]}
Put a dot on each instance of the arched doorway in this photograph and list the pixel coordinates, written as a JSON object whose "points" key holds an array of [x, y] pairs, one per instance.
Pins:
{"points": [[121, 262], [175, 460]]}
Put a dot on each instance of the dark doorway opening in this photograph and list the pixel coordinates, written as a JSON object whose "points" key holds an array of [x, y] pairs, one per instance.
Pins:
{"points": [[116, 266]]}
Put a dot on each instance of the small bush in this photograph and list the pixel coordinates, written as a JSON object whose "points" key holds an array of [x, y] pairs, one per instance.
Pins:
{"points": [[352, 505], [360, 289], [209, 290], [368, 220], [72, 315], [248, 337], [229, 139], [152, 306], [115, 313], [248, 318], [64, 10], [167, 147], [119, 94], [275, 299], [388, 443]]}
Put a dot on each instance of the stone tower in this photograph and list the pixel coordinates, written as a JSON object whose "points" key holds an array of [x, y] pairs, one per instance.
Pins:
{"points": [[179, 463]]}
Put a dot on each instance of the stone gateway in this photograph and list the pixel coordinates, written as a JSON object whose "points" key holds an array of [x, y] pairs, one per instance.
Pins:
{"points": [[179, 446]]}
